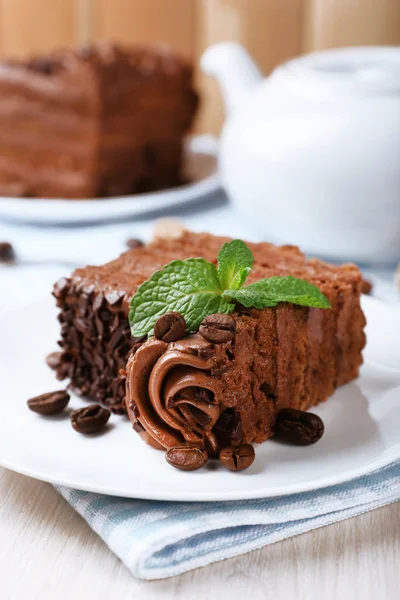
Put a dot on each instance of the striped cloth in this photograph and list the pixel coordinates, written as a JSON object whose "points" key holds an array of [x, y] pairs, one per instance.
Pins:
{"points": [[162, 539]]}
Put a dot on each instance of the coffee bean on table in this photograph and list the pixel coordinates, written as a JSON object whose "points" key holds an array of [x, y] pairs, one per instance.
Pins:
{"points": [[54, 360], [186, 458], [298, 427], [7, 254], [170, 327], [218, 328], [237, 458], [90, 419], [51, 403], [134, 243]]}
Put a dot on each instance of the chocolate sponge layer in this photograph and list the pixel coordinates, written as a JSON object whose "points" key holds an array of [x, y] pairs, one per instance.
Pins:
{"points": [[284, 356]]}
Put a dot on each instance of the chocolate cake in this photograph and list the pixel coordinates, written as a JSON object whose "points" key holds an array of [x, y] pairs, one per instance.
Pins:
{"points": [[192, 389], [100, 121]]}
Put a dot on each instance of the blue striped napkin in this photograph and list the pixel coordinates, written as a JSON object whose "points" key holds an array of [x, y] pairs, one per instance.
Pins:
{"points": [[162, 539]]}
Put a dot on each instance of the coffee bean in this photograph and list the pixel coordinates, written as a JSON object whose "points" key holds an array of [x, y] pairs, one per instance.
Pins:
{"points": [[298, 427], [237, 458], [51, 403], [218, 328], [366, 287], [54, 360], [7, 254], [186, 458], [90, 419], [134, 243], [171, 327]]}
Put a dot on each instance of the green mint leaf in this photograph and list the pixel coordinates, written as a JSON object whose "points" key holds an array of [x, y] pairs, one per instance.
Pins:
{"points": [[190, 287], [249, 296], [268, 292], [235, 261]]}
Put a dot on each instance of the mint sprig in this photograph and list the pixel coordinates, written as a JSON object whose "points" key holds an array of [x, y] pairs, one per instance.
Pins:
{"points": [[197, 288]]}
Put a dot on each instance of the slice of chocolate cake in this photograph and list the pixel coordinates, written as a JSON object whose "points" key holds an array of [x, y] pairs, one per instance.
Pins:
{"points": [[101, 121], [285, 356]]}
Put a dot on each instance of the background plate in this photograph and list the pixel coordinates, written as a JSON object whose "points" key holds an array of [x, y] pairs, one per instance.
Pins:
{"points": [[362, 423], [200, 168]]}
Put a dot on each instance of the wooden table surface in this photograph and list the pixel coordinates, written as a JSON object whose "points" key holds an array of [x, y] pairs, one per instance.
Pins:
{"points": [[48, 552]]}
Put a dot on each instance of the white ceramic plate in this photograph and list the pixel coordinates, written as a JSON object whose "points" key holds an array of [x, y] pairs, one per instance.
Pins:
{"points": [[362, 423], [200, 168]]}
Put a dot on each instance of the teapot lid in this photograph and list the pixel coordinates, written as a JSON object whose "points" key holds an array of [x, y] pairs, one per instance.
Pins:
{"points": [[373, 69]]}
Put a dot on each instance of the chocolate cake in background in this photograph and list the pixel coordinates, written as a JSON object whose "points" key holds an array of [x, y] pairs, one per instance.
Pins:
{"points": [[287, 356], [100, 121]]}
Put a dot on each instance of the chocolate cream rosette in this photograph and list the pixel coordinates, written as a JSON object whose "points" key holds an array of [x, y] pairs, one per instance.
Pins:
{"points": [[176, 393]]}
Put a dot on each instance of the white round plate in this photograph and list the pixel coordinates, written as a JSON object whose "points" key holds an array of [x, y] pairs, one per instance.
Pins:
{"points": [[200, 168], [362, 422]]}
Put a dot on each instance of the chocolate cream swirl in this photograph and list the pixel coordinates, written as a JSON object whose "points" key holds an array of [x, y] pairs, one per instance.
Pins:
{"points": [[172, 395]]}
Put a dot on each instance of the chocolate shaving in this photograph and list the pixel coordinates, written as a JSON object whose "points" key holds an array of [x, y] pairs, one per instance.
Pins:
{"points": [[96, 342]]}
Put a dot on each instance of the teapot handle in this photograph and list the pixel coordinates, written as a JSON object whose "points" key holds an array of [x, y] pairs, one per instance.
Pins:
{"points": [[234, 70]]}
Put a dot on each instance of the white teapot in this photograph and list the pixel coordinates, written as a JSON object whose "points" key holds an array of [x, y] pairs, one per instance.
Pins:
{"points": [[312, 153]]}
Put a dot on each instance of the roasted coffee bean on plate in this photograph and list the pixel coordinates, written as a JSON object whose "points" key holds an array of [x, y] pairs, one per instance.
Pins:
{"points": [[54, 360], [50, 403], [7, 254], [298, 427], [237, 458], [90, 419], [170, 327], [134, 243], [186, 458], [218, 328]]}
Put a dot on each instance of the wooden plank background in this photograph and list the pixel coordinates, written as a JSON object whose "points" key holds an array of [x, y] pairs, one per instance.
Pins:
{"points": [[272, 30]]}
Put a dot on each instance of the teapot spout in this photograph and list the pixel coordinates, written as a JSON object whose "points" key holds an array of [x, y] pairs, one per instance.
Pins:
{"points": [[234, 70]]}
